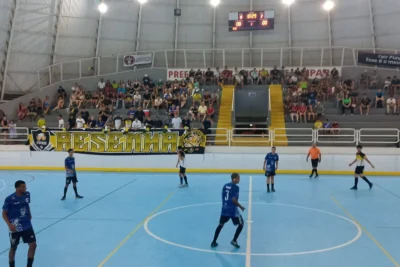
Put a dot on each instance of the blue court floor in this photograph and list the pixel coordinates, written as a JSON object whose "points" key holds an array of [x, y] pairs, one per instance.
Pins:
{"points": [[141, 220]]}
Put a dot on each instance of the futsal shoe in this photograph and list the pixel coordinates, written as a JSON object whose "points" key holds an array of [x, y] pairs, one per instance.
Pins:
{"points": [[63, 198], [268, 191], [235, 244], [181, 186], [186, 185], [214, 244], [310, 176], [78, 196], [316, 176], [273, 190], [371, 185], [354, 188]]}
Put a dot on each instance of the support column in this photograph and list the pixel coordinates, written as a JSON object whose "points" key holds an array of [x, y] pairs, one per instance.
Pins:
{"points": [[213, 37], [56, 34], [290, 34], [9, 44], [176, 34], [139, 24], [251, 39], [372, 23], [330, 38]]}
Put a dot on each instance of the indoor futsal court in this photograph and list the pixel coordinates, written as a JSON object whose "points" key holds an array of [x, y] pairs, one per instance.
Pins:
{"points": [[138, 219]]}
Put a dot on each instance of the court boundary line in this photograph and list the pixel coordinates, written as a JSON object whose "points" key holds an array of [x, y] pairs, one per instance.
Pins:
{"points": [[354, 239], [75, 212], [105, 260], [172, 170], [374, 240], [249, 222], [387, 191]]}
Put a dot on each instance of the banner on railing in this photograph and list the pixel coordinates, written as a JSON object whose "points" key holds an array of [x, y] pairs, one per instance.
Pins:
{"points": [[313, 72], [115, 142], [132, 60], [380, 60]]}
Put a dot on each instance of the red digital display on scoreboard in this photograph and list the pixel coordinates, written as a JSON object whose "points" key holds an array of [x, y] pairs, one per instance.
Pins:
{"points": [[252, 20]]}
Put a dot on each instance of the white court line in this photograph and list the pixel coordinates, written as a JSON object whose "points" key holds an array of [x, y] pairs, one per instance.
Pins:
{"points": [[249, 222], [4, 185]]}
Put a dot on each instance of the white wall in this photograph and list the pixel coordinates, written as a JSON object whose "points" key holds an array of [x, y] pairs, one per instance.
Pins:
{"points": [[292, 160]]}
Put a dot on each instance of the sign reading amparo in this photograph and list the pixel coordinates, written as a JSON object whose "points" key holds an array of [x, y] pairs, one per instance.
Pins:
{"points": [[313, 72], [118, 143]]}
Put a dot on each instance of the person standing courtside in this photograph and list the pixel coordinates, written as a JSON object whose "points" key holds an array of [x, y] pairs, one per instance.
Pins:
{"points": [[17, 215], [359, 171], [270, 166], [315, 154], [71, 174]]}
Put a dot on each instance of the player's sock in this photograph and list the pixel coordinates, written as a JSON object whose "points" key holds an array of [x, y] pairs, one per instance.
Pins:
{"points": [[12, 263], [217, 231], [181, 179], [184, 177], [367, 181], [76, 191], [272, 187], [65, 191], [30, 262], [316, 172], [312, 173], [268, 187], [356, 182], [238, 231]]}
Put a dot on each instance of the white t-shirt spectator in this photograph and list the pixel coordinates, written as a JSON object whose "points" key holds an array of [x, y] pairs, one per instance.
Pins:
{"points": [[60, 123], [136, 124], [294, 78], [79, 123], [391, 101], [137, 98], [101, 85], [202, 109], [387, 83], [118, 122], [158, 102], [176, 123]]}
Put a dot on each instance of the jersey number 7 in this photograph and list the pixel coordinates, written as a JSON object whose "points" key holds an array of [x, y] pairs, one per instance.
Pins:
{"points": [[227, 194]]}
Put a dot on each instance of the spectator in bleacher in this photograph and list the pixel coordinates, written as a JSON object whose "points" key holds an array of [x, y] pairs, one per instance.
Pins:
{"points": [[73, 111], [85, 114], [391, 105], [375, 80], [158, 102], [80, 97], [148, 122], [128, 121], [238, 81], [146, 81], [354, 102], [80, 122], [146, 99], [348, 84], [136, 85], [346, 105], [327, 126], [294, 113], [254, 76], [46, 105], [32, 111], [74, 87], [336, 128], [297, 72], [173, 110], [312, 98], [206, 97], [22, 112], [197, 96], [310, 113], [245, 75], [303, 112], [101, 85], [323, 89], [207, 125], [182, 86], [365, 104], [61, 92], [114, 85], [318, 124], [137, 100], [209, 76], [41, 122], [61, 123], [192, 75], [314, 84], [211, 112], [202, 112], [117, 121], [319, 110], [199, 76], [13, 129], [334, 74], [388, 85], [339, 98], [92, 123], [215, 98], [110, 89], [129, 86], [303, 84], [287, 104], [193, 111], [39, 106], [5, 127], [139, 114], [183, 99], [168, 100], [379, 99], [275, 76], [395, 84], [364, 80], [94, 99], [176, 122], [137, 124], [304, 73], [227, 76], [186, 122], [263, 76], [60, 103]]}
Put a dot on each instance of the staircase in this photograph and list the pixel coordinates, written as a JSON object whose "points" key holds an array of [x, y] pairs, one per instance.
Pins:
{"points": [[225, 115], [277, 116]]}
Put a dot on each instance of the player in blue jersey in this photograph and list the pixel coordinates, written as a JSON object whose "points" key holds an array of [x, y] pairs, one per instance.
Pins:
{"points": [[17, 215], [230, 210], [270, 166], [71, 174]]}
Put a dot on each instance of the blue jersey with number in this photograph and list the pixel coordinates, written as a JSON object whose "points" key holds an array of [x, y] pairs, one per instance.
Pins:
{"points": [[271, 160], [18, 211], [230, 191], [70, 165]]}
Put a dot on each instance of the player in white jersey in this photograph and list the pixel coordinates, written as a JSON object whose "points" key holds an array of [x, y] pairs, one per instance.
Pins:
{"points": [[182, 168]]}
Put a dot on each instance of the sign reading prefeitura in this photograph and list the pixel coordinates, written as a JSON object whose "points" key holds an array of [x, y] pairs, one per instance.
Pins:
{"points": [[118, 143]]}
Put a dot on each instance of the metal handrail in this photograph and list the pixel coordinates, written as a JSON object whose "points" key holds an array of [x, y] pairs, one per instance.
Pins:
{"points": [[334, 138], [248, 138], [164, 54]]}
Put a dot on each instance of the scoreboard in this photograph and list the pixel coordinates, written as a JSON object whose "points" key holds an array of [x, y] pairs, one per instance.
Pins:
{"points": [[251, 20]]}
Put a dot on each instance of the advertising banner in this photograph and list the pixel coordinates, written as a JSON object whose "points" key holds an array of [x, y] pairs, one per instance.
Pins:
{"points": [[132, 60], [115, 142], [313, 72], [380, 60]]}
